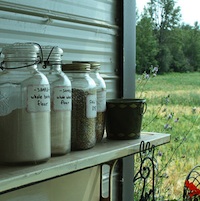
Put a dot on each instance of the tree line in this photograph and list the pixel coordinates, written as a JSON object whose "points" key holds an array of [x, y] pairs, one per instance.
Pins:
{"points": [[163, 40]]}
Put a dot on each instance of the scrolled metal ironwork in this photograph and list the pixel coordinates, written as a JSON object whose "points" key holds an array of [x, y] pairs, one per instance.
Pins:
{"points": [[146, 172]]}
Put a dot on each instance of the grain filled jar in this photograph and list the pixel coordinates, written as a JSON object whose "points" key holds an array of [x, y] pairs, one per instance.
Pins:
{"points": [[101, 97], [83, 105], [61, 103], [24, 106]]}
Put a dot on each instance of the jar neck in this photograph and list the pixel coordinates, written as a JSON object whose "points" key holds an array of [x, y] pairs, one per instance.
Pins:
{"points": [[55, 68], [51, 68], [95, 74], [94, 70]]}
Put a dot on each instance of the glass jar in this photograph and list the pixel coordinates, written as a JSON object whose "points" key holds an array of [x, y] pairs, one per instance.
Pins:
{"points": [[24, 106], [101, 98], [61, 103], [83, 106]]}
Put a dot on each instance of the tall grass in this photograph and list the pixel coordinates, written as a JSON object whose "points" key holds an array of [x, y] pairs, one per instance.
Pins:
{"points": [[173, 107]]}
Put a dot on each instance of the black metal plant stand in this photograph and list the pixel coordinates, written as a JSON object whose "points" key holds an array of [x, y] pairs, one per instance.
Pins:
{"points": [[146, 174]]}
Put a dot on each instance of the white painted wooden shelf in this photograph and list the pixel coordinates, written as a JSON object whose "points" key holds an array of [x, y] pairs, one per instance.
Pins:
{"points": [[12, 177]]}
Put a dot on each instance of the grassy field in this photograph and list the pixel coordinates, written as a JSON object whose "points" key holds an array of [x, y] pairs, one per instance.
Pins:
{"points": [[173, 107]]}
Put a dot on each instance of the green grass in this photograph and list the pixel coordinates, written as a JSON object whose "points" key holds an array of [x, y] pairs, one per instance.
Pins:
{"points": [[174, 100]]}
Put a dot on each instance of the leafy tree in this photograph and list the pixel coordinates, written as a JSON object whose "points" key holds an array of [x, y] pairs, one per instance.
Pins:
{"points": [[179, 61], [164, 58], [163, 41], [192, 45], [165, 17], [146, 45]]}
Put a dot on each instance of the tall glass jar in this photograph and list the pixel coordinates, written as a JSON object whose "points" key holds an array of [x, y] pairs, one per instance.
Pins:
{"points": [[24, 107], [61, 103], [101, 97], [83, 106]]}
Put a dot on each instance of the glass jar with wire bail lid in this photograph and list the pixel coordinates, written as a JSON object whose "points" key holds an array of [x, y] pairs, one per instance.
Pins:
{"points": [[83, 105], [101, 97], [24, 106], [60, 100]]}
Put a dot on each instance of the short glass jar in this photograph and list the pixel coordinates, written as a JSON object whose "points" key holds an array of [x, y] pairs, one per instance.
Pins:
{"points": [[61, 103], [24, 106], [83, 105]]}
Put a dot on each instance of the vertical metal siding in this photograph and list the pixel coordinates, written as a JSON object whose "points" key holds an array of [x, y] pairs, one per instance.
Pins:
{"points": [[85, 30]]}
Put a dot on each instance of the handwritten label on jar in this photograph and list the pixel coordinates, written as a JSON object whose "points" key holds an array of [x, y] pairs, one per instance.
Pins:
{"points": [[101, 101], [38, 98], [62, 98], [91, 106]]}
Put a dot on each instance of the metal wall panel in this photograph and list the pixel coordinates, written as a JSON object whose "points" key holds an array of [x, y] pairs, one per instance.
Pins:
{"points": [[85, 30]]}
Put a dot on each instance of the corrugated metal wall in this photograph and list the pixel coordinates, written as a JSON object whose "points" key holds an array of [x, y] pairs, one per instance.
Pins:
{"points": [[84, 29]]}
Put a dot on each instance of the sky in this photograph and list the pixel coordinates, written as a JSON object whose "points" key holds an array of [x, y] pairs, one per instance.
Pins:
{"points": [[190, 9]]}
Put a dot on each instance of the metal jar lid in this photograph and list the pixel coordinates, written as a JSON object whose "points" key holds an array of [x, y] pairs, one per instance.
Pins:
{"points": [[93, 64], [76, 67], [19, 51]]}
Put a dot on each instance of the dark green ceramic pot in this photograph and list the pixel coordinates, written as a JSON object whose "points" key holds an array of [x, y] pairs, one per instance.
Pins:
{"points": [[124, 118]]}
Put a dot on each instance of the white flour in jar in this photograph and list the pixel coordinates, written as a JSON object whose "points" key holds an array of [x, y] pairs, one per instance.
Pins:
{"points": [[25, 137], [60, 132]]}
